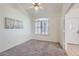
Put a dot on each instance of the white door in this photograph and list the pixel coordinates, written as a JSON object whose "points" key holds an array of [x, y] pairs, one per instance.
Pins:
{"points": [[74, 38], [72, 31]]}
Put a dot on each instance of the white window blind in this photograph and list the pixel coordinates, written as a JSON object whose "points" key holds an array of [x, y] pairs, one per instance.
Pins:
{"points": [[41, 26]]}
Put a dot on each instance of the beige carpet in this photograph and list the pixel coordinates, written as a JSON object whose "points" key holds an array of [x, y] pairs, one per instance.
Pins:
{"points": [[73, 49], [35, 48]]}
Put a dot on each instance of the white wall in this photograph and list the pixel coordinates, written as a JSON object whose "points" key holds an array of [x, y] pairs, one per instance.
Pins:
{"points": [[71, 29], [65, 8], [72, 20], [53, 24], [10, 38], [56, 24], [13, 37]]}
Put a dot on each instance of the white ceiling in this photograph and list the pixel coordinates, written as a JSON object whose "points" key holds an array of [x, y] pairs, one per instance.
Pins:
{"points": [[48, 8]]}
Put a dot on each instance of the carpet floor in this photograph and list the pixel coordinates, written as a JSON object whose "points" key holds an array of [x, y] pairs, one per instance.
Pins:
{"points": [[35, 48]]}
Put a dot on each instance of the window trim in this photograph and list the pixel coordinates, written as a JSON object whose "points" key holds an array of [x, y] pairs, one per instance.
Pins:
{"points": [[40, 20]]}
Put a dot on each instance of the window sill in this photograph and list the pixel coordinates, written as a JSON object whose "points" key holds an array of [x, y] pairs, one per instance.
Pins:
{"points": [[42, 34]]}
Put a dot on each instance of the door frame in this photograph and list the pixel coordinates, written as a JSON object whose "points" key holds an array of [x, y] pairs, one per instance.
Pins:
{"points": [[65, 43]]}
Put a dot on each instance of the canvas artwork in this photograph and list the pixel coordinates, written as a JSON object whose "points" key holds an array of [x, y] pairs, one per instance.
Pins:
{"points": [[13, 24]]}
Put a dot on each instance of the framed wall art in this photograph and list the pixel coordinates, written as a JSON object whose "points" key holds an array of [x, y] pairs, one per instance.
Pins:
{"points": [[13, 24]]}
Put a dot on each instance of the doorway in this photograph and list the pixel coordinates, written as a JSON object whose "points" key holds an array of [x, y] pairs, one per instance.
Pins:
{"points": [[72, 31]]}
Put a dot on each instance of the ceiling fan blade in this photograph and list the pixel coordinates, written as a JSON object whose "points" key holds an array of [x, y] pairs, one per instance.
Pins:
{"points": [[35, 6], [31, 7], [41, 7], [36, 3]]}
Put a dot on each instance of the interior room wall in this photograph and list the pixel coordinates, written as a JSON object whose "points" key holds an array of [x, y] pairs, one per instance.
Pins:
{"points": [[65, 8], [13, 37], [71, 29], [53, 26], [72, 25]]}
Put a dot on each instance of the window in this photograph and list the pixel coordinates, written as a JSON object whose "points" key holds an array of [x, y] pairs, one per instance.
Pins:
{"points": [[41, 26]]}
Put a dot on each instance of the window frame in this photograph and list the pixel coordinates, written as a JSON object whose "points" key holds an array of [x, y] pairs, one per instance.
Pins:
{"points": [[40, 30]]}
